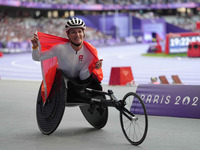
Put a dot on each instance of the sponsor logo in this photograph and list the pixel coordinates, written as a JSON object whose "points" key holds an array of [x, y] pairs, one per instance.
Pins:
{"points": [[95, 100]]}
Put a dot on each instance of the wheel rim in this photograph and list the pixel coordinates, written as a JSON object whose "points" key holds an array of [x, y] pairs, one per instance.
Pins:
{"points": [[97, 116], [48, 111], [135, 130], [50, 115]]}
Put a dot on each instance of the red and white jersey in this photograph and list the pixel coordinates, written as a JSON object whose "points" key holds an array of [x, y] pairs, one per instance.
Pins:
{"points": [[74, 64], [49, 66]]}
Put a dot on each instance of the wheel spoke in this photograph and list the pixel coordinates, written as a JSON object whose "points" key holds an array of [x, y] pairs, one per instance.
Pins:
{"points": [[134, 129]]}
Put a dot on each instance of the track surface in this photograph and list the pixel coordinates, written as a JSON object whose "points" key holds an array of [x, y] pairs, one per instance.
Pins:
{"points": [[21, 66], [19, 131]]}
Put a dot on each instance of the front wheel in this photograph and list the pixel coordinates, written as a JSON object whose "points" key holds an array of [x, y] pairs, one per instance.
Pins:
{"points": [[133, 118]]}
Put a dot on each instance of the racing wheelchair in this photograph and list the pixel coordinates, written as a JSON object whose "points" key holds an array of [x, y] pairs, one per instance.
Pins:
{"points": [[93, 103]]}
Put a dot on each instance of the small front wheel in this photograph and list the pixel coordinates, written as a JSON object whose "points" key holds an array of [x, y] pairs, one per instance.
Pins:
{"points": [[133, 118]]}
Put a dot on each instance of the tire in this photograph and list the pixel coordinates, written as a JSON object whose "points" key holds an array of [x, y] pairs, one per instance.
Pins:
{"points": [[135, 130], [50, 115], [96, 115]]}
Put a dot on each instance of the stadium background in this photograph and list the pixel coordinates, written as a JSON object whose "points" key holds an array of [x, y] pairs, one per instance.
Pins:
{"points": [[109, 24], [21, 18]]}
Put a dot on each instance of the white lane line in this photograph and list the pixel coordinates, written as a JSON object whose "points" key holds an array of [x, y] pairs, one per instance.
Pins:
{"points": [[16, 63]]}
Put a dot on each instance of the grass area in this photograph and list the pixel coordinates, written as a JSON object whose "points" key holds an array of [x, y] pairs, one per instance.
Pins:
{"points": [[165, 55]]}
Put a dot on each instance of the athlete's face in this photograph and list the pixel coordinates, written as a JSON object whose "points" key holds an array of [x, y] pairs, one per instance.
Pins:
{"points": [[76, 35]]}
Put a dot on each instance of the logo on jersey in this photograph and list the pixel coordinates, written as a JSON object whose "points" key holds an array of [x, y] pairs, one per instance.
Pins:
{"points": [[80, 58]]}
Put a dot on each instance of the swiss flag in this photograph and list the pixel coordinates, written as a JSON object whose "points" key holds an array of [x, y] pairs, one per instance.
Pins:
{"points": [[48, 66]]}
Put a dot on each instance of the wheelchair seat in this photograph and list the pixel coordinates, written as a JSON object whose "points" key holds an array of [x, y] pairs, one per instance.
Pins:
{"points": [[76, 89]]}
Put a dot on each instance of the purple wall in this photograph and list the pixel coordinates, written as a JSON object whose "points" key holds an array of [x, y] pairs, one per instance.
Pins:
{"points": [[116, 25], [171, 100], [170, 28], [150, 26]]}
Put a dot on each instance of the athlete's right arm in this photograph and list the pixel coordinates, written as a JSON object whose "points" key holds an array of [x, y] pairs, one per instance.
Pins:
{"points": [[36, 54], [34, 41]]}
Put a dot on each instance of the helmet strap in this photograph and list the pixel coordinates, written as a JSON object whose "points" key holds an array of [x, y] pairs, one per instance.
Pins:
{"points": [[77, 45]]}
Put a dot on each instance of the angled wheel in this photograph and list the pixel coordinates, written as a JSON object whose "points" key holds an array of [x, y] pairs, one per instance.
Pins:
{"points": [[96, 115], [50, 115], [133, 119]]}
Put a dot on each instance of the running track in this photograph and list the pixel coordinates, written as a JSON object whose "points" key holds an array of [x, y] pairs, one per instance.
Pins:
{"points": [[22, 67]]}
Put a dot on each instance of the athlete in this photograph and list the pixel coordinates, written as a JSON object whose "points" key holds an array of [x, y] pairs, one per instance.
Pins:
{"points": [[74, 57]]}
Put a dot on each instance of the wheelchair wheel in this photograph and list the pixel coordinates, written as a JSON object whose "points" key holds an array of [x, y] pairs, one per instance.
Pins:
{"points": [[50, 115], [133, 118], [96, 115]]}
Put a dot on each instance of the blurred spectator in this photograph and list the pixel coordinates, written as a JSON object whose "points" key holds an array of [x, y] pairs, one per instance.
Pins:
{"points": [[18, 30], [106, 2]]}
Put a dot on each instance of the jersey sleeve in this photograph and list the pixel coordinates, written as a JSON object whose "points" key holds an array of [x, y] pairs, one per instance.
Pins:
{"points": [[37, 55]]}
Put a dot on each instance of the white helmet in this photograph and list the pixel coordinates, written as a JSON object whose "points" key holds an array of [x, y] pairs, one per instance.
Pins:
{"points": [[75, 23]]}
